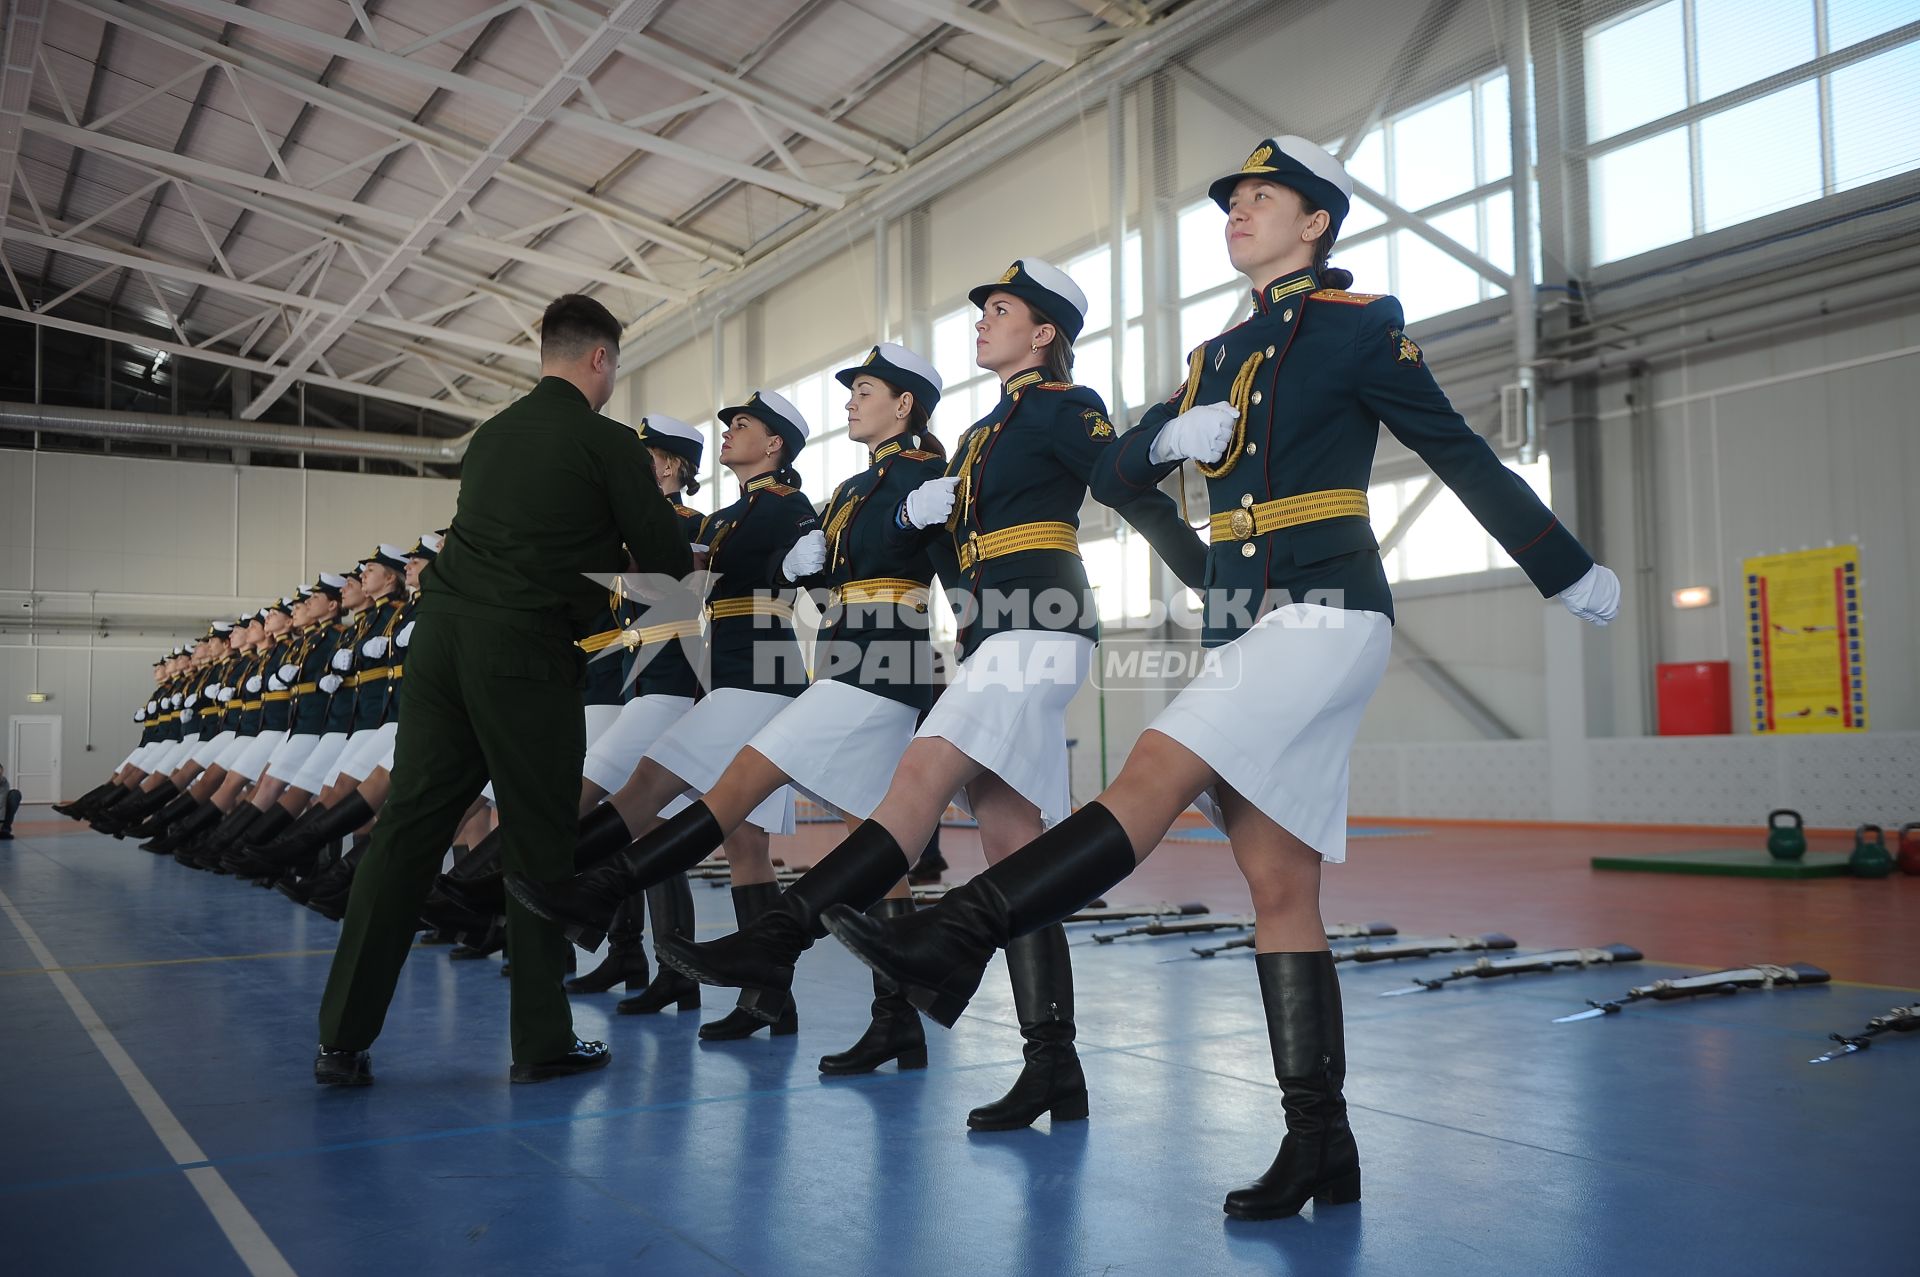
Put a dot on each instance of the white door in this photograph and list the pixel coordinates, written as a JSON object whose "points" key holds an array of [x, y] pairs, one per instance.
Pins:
{"points": [[33, 757]]}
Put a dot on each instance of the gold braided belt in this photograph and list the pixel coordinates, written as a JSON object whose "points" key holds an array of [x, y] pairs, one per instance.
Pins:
{"points": [[880, 589], [598, 642], [248, 706], [646, 635], [1252, 520], [303, 689], [979, 547], [274, 698], [723, 609], [367, 676]]}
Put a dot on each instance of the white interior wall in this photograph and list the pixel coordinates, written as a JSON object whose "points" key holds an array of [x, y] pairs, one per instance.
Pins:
{"points": [[164, 546]]}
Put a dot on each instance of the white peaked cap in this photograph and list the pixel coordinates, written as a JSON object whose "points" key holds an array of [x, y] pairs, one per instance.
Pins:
{"points": [[659, 424]]}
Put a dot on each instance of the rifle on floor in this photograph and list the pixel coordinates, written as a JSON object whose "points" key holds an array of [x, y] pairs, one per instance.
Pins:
{"points": [[1487, 968], [1335, 930], [1392, 952], [1097, 912], [1899, 1020], [1761, 975]]}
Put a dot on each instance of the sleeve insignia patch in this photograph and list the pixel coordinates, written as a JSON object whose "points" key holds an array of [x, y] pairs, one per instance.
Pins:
{"points": [[1404, 349], [1097, 424]]}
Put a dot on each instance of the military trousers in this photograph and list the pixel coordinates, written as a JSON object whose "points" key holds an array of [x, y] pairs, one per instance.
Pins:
{"points": [[484, 701]]}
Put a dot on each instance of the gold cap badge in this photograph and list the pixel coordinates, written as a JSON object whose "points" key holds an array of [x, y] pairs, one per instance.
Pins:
{"points": [[1013, 273], [1258, 160]]}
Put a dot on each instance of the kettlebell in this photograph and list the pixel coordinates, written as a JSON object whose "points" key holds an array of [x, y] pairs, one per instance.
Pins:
{"points": [[1910, 847], [1786, 834], [1870, 859]]}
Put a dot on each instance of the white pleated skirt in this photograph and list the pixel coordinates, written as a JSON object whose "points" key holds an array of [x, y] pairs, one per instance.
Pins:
{"points": [[172, 754], [290, 756], [365, 749], [599, 719], [839, 745], [612, 756], [207, 752], [253, 759], [1006, 709], [235, 750], [1276, 712], [318, 765], [706, 738]]}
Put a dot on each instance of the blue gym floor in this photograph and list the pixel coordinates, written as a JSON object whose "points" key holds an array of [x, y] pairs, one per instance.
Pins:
{"points": [[1668, 1139]]}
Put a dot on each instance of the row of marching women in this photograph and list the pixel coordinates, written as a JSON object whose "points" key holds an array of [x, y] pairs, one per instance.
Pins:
{"points": [[268, 743], [570, 557]]}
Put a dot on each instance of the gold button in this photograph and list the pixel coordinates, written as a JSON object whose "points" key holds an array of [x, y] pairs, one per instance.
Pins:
{"points": [[1287, 318], [1256, 396], [1270, 348], [1252, 448], [1246, 550], [1240, 523], [1246, 501]]}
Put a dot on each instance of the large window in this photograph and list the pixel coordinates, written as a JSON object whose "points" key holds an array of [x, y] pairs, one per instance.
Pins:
{"points": [[1121, 571], [1682, 143], [1445, 539]]}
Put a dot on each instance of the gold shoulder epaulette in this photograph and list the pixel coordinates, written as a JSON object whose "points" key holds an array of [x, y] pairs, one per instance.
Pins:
{"points": [[1342, 295], [684, 510], [1058, 385], [779, 489], [920, 454]]}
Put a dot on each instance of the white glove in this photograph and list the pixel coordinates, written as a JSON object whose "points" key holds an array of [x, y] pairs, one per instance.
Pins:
{"points": [[139, 716], [226, 694], [178, 700], [193, 698], [253, 685], [186, 716], [808, 555], [343, 659], [931, 502], [1201, 433], [289, 674], [405, 636], [153, 707], [1595, 597], [274, 684], [375, 647], [330, 683]]}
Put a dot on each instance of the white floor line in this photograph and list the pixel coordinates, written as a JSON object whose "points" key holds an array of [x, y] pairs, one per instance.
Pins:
{"points": [[243, 1231]]}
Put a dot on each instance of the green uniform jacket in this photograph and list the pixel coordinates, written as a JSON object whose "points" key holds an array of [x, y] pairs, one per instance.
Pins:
{"points": [[550, 490]]}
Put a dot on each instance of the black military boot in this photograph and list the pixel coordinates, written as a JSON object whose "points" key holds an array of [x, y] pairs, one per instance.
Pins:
{"points": [[1051, 1080], [184, 830], [83, 806], [752, 902], [329, 895], [758, 959], [117, 817], [267, 826], [626, 960], [584, 904], [931, 865], [1318, 1158], [939, 954], [895, 1033], [671, 903], [224, 841], [156, 825], [476, 881]]}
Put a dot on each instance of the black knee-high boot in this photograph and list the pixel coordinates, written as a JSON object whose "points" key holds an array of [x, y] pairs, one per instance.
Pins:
{"points": [[895, 1032], [122, 814], [584, 904], [83, 806], [759, 958], [1050, 1081], [626, 959], [671, 904], [751, 902], [1318, 1158], [184, 830], [299, 844], [157, 823], [267, 826], [939, 954], [224, 841]]}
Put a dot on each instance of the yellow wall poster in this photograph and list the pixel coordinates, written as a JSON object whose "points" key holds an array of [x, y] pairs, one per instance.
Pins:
{"points": [[1808, 663]]}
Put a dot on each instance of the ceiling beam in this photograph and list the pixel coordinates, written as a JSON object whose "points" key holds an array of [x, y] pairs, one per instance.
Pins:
{"points": [[691, 67], [301, 86], [476, 412], [575, 71], [500, 95], [25, 21], [1011, 35]]}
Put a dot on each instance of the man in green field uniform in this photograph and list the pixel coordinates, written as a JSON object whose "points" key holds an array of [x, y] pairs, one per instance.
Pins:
{"points": [[549, 490]]}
